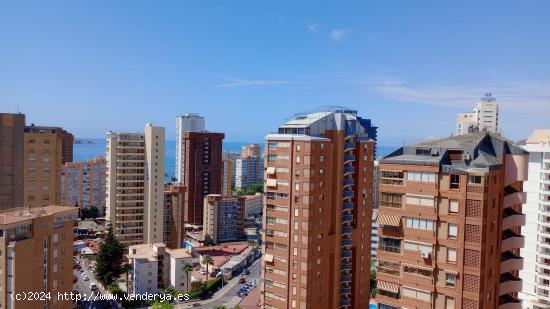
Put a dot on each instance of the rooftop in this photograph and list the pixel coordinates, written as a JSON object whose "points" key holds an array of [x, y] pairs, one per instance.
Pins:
{"points": [[21, 215], [539, 136], [482, 150]]}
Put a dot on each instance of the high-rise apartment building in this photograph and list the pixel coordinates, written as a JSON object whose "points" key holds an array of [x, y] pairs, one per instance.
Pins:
{"points": [[43, 161], [318, 212], [252, 150], [84, 184], [135, 185], [250, 171], [202, 171], [483, 118], [229, 171], [227, 174], [223, 218], [536, 254], [12, 128], [189, 122], [450, 222], [375, 204], [37, 250], [67, 143], [174, 224]]}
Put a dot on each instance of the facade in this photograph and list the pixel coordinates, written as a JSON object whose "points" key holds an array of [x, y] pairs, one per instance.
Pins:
{"points": [[230, 157], [156, 267], [83, 184], [174, 231], [375, 204], [202, 171], [12, 128], [252, 150], [250, 171], [450, 222], [536, 254], [135, 185], [189, 122], [483, 118], [66, 147], [37, 250], [223, 218], [228, 176], [43, 157], [318, 212], [253, 205]]}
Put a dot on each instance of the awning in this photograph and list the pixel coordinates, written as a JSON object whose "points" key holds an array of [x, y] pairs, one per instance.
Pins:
{"points": [[386, 219], [271, 170], [418, 267], [452, 272], [268, 257], [271, 182], [387, 286]]}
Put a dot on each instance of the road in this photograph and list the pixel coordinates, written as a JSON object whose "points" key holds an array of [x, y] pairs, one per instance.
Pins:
{"points": [[229, 296], [83, 288]]}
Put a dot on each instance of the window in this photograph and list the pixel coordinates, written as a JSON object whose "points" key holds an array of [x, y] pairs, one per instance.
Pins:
{"points": [[420, 200], [394, 200], [388, 267], [298, 147], [451, 255], [450, 303], [450, 280], [391, 177], [417, 246], [420, 176], [472, 179], [455, 182], [453, 206], [417, 294], [418, 223], [390, 244], [421, 271], [453, 230]]}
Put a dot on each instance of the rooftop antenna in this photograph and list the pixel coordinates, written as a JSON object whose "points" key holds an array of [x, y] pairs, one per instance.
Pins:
{"points": [[18, 109]]}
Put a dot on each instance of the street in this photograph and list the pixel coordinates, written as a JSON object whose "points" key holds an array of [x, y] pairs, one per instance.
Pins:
{"points": [[229, 296]]}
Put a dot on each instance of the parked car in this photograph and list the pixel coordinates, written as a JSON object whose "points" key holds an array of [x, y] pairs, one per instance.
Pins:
{"points": [[247, 272]]}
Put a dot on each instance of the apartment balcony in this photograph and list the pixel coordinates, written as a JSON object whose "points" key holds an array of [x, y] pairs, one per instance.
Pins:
{"points": [[346, 242], [347, 229], [349, 158], [349, 170], [345, 302], [511, 240], [514, 199], [347, 218], [346, 254], [512, 218], [345, 278], [349, 146], [345, 267], [510, 262], [509, 284], [348, 194], [345, 290], [349, 182], [347, 206], [508, 302]]}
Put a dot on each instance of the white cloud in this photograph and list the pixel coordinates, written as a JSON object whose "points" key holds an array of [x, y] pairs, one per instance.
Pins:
{"points": [[313, 27], [339, 34], [234, 82], [515, 95]]}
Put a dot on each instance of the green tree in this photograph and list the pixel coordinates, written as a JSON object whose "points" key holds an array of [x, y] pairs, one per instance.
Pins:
{"points": [[162, 305], [187, 268], [109, 259], [220, 307], [126, 269], [196, 286], [207, 260], [255, 188]]}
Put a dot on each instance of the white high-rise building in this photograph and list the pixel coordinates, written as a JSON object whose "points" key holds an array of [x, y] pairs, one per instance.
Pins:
{"points": [[536, 253], [484, 117], [135, 185], [189, 122]]}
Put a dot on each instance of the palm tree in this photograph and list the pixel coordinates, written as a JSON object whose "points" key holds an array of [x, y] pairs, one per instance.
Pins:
{"points": [[187, 268], [207, 260], [126, 268]]}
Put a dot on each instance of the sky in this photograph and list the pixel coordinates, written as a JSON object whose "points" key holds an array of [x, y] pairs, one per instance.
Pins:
{"points": [[247, 66]]}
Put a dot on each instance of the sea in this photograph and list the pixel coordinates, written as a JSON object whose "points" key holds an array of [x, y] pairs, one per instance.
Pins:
{"points": [[96, 147]]}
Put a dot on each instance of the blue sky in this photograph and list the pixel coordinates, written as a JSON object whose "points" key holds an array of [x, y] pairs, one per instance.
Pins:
{"points": [[93, 66]]}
